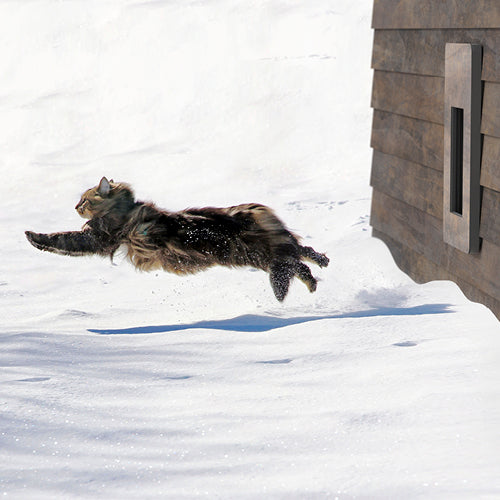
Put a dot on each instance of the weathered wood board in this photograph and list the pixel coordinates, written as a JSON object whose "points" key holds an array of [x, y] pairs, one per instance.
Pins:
{"points": [[490, 122], [421, 187], [490, 165], [429, 14], [414, 96], [422, 270], [416, 185], [414, 140], [423, 233], [421, 52]]}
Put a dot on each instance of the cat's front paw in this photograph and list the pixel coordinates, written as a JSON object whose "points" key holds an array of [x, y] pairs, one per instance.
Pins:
{"points": [[38, 240]]}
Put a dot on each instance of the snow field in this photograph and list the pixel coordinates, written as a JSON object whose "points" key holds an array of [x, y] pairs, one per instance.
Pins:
{"points": [[117, 384]]}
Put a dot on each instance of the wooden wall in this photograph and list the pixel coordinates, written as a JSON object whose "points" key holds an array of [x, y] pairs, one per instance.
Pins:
{"points": [[407, 139]]}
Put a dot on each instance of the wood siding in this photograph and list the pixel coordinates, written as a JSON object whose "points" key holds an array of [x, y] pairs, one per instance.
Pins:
{"points": [[428, 14], [408, 139], [421, 52]]}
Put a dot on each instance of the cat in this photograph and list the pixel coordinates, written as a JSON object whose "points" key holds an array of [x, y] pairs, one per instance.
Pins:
{"points": [[187, 241]]}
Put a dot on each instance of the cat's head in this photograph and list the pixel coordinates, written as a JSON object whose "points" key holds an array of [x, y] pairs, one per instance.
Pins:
{"points": [[108, 197]]}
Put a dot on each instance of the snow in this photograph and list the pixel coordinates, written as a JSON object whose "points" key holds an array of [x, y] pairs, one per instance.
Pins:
{"points": [[117, 384]]}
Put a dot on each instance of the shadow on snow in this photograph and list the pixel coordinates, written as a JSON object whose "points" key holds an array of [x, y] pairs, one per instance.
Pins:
{"points": [[259, 323]]}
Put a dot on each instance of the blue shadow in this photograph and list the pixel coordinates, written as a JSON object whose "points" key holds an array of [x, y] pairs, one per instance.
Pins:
{"points": [[257, 323]]}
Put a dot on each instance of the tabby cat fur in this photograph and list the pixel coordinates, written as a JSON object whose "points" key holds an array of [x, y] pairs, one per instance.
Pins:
{"points": [[186, 241]]}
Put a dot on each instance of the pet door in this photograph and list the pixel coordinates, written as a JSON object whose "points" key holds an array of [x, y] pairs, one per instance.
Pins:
{"points": [[462, 146]]}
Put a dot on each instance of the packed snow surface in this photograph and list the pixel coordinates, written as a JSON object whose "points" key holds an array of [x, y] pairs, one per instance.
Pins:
{"points": [[117, 384]]}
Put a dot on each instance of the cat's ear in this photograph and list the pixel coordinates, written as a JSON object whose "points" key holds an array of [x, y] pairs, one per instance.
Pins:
{"points": [[104, 187]]}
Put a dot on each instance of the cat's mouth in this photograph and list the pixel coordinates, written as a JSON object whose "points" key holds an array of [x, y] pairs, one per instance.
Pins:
{"points": [[81, 208], [84, 214]]}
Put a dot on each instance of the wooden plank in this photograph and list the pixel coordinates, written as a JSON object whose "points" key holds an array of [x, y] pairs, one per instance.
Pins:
{"points": [[423, 234], [422, 51], [490, 122], [407, 138], [422, 97], [422, 270], [419, 186], [490, 167], [490, 216], [419, 231], [411, 14], [414, 96]]}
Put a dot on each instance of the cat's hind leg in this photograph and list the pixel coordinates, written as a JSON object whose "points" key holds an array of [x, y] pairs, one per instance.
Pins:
{"points": [[310, 254], [304, 274], [280, 274]]}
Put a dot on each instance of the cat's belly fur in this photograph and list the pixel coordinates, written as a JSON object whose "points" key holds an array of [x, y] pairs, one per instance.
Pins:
{"points": [[146, 256]]}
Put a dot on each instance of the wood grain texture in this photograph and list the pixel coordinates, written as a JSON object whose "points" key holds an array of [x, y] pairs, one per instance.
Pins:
{"points": [[422, 97], [414, 96], [416, 185], [422, 270], [490, 123], [422, 51], [490, 216], [490, 165], [422, 233], [407, 138], [416, 265], [421, 187], [411, 14], [419, 231]]}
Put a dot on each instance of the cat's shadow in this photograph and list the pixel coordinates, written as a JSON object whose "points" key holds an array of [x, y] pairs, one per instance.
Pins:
{"points": [[263, 323]]}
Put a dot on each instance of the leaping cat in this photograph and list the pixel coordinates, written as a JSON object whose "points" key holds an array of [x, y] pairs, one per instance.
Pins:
{"points": [[187, 241]]}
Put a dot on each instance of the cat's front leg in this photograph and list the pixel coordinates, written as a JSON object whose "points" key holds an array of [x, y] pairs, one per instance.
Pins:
{"points": [[38, 240], [72, 242]]}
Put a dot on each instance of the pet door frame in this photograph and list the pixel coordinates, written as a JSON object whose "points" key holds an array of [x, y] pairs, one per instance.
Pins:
{"points": [[462, 146]]}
